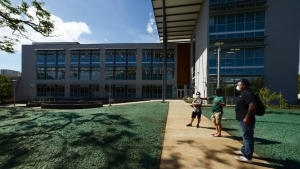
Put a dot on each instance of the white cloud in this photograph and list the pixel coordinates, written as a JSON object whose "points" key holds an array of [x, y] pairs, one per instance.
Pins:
{"points": [[151, 24], [106, 40]]}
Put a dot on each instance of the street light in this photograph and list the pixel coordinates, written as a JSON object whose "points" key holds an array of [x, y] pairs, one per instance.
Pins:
{"points": [[218, 44], [31, 93], [14, 91], [109, 95]]}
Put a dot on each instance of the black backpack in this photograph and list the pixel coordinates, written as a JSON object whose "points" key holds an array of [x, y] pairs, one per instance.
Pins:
{"points": [[260, 107]]}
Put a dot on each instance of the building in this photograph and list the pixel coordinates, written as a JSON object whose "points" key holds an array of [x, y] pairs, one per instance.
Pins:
{"points": [[258, 40], [10, 73]]}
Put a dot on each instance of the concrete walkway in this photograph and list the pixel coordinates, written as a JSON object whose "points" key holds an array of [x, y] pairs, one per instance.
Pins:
{"points": [[191, 147]]}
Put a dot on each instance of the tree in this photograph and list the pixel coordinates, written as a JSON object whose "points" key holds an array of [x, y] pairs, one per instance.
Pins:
{"points": [[5, 88], [266, 96], [11, 18]]}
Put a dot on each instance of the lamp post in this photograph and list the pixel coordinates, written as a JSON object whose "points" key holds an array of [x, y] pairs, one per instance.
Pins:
{"points": [[218, 44], [109, 95], [31, 93], [14, 84]]}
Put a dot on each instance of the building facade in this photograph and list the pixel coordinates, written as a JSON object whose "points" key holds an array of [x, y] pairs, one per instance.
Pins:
{"points": [[79, 71], [10, 73], [258, 40]]}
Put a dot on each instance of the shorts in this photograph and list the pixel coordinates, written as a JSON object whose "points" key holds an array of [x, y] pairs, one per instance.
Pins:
{"points": [[216, 117], [198, 114]]}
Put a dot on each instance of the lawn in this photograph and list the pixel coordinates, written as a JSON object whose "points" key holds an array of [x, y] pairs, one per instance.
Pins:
{"points": [[124, 136], [277, 136]]}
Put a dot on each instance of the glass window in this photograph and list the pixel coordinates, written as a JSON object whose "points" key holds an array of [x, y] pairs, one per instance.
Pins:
{"points": [[249, 34], [259, 25], [240, 18], [84, 73], [51, 73], [230, 18], [50, 90], [120, 59], [146, 91], [157, 73], [146, 60], [74, 90], [259, 52], [95, 91], [84, 58], [239, 53], [258, 71], [131, 73], [60, 90], [61, 73], [259, 33], [221, 19], [240, 27], [249, 71], [230, 27], [239, 71], [170, 73], [221, 28], [249, 42], [51, 58], [229, 62], [239, 62], [156, 91], [146, 74], [249, 62], [40, 73], [212, 29], [84, 91], [229, 71], [120, 73], [212, 20], [213, 71], [250, 17], [132, 59], [249, 52], [258, 61], [131, 91], [157, 59], [109, 60], [260, 16], [41, 59], [61, 60], [74, 73], [74, 59], [95, 73], [212, 62], [120, 91], [95, 58], [40, 90], [109, 73], [249, 26]]}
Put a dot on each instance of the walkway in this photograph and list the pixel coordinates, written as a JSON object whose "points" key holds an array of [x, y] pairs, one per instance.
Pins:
{"points": [[191, 147]]}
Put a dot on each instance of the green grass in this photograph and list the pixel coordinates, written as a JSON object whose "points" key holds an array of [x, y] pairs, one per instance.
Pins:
{"points": [[124, 136], [277, 136]]}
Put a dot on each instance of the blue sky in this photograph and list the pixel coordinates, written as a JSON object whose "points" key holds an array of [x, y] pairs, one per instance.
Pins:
{"points": [[90, 22]]}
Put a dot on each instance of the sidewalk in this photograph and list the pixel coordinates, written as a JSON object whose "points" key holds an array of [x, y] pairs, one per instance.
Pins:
{"points": [[191, 147]]}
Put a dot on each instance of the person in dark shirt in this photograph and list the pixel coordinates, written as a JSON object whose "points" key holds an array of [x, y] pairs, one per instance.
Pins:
{"points": [[244, 109]]}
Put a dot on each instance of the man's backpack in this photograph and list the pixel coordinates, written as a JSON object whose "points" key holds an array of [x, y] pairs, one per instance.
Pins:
{"points": [[260, 107]]}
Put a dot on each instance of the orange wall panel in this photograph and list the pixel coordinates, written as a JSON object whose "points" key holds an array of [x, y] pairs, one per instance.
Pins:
{"points": [[183, 64]]}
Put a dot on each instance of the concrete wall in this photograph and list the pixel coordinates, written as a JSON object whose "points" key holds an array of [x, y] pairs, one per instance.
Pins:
{"points": [[201, 45], [282, 26], [29, 76]]}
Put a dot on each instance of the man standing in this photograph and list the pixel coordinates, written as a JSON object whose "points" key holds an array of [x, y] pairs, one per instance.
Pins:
{"points": [[219, 102], [244, 109], [197, 103]]}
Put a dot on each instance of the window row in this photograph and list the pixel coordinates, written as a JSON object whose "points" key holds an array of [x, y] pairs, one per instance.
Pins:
{"points": [[51, 58], [120, 91], [249, 26], [237, 53], [50, 90], [120, 73], [239, 5], [84, 90], [120, 57], [85, 58], [155, 91], [235, 35], [154, 57], [237, 71], [155, 73], [238, 43], [227, 19], [237, 62]]}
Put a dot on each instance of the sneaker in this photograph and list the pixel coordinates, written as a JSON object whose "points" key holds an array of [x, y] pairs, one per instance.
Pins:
{"points": [[238, 152], [189, 125], [243, 159], [198, 126]]}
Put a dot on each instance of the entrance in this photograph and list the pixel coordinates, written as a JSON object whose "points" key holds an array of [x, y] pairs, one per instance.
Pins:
{"points": [[181, 93]]}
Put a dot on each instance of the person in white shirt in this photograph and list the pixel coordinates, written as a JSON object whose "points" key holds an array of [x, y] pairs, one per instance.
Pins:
{"points": [[197, 103]]}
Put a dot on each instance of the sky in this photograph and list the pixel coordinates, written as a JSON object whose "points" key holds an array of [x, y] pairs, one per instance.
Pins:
{"points": [[90, 22]]}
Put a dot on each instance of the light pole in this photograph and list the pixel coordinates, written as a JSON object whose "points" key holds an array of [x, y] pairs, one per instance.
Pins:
{"points": [[14, 91], [31, 93], [109, 95], [218, 44]]}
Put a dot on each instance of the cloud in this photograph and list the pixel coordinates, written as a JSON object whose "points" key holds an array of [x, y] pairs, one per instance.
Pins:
{"points": [[64, 32], [106, 40], [151, 26]]}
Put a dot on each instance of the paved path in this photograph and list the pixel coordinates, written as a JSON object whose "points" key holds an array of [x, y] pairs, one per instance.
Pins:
{"points": [[191, 147]]}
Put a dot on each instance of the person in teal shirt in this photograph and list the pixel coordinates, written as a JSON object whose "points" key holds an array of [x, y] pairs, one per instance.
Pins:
{"points": [[218, 102]]}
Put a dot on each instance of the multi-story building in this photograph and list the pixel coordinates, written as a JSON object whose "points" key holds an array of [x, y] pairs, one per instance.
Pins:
{"points": [[258, 40], [10, 73]]}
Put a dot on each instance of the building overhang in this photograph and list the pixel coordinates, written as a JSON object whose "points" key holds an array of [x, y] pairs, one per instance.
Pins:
{"points": [[181, 18]]}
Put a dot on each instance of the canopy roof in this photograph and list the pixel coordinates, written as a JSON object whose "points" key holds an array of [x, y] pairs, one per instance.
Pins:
{"points": [[181, 17]]}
